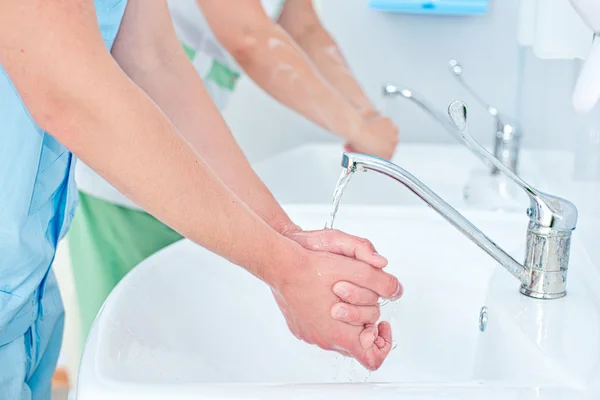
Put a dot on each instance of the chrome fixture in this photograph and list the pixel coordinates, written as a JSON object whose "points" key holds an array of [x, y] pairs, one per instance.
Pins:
{"points": [[543, 274], [507, 142], [483, 318], [423, 104], [395, 91]]}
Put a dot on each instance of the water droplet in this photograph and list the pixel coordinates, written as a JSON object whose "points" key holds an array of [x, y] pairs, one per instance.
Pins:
{"points": [[383, 302]]}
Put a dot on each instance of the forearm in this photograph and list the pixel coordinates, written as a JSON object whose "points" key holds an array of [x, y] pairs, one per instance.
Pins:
{"points": [[325, 54], [301, 21], [178, 90], [276, 64], [135, 148], [85, 101]]}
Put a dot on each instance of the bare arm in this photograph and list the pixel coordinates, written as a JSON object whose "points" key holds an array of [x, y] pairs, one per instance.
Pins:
{"points": [[73, 88], [85, 100], [301, 22], [148, 50], [280, 67], [150, 54], [275, 62]]}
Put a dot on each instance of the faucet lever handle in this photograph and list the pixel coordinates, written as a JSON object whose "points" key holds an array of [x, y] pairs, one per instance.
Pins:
{"points": [[457, 71], [546, 210]]}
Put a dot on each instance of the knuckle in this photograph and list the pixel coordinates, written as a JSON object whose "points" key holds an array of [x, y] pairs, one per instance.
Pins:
{"points": [[365, 242]]}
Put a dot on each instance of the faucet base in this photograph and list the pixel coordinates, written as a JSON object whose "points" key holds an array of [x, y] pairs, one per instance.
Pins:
{"points": [[542, 296], [547, 260]]}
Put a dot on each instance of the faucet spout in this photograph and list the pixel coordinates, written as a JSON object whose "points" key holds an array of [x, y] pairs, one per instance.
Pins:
{"points": [[355, 161], [543, 274]]}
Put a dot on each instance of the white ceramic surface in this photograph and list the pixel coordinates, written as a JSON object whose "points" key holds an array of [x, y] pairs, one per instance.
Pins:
{"points": [[187, 324]]}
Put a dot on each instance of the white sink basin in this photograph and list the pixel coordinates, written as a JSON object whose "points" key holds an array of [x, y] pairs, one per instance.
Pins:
{"points": [[307, 175], [187, 324]]}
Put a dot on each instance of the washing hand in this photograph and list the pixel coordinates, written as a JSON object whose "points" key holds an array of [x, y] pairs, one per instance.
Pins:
{"points": [[338, 242], [377, 136], [309, 292]]}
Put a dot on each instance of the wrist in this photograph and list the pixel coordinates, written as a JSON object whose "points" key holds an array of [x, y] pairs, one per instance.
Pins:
{"points": [[282, 224], [368, 113], [355, 126], [281, 268]]}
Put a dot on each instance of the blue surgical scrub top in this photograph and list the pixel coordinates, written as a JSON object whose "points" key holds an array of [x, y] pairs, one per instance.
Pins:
{"points": [[37, 195]]}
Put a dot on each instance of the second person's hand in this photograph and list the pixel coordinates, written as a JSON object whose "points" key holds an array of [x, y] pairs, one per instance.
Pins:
{"points": [[377, 136]]}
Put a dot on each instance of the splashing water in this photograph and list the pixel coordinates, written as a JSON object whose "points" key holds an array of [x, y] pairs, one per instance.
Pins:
{"points": [[342, 182], [345, 178]]}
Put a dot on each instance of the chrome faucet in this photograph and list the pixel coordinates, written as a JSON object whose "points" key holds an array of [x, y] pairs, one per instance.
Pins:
{"points": [[507, 141], [543, 275], [423, 104], [402, 91]]}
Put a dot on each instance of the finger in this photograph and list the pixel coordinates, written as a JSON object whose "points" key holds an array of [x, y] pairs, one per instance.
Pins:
{"points": [[353, 294], [368, 336], [379, 281], [385, 335], [338, 242], [373, 357], [355, 315]]}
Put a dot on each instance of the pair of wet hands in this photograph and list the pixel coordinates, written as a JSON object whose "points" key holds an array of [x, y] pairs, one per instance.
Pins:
{"points": [[332, 300]]}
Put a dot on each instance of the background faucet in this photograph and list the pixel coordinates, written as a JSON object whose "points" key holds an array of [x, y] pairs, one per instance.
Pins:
{"points": [[392, 91], [543, 274], [507, 141]]}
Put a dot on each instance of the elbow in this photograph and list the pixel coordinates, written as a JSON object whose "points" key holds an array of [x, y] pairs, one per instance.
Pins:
{"points": [[49, 112], [58, 115], [244, 48], [45, 109]]}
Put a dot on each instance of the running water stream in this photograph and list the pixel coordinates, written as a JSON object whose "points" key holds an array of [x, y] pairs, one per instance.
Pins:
{"points": [[338, 192], [345, 178]]}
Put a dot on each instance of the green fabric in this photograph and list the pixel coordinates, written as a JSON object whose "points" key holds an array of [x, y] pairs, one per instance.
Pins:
{"points": [[105, 242], [191, 53], [223, 76]]}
